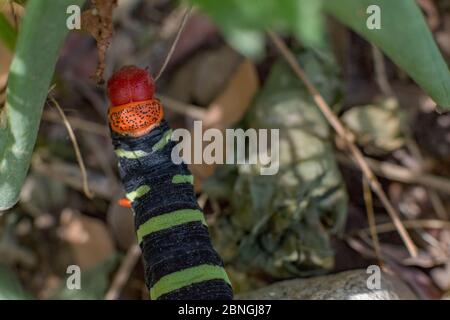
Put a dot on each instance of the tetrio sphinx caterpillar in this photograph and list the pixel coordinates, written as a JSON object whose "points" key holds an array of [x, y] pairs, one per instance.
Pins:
{"points": [[179, 260]]}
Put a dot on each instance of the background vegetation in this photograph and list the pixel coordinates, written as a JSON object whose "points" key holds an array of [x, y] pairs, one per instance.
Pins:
{"points": [[390, 87]]}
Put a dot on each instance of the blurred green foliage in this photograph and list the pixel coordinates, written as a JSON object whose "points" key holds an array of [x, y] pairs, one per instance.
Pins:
{"points": [[10, 287], [94, 282], [8, 34], [281, 225], [404, 35], [244, 22], [41, 35], [378, 127]]}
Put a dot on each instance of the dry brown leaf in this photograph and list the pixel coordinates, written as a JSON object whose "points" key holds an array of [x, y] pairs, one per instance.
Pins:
{"points": [[88, 238], [98, 21], [228, 108]]}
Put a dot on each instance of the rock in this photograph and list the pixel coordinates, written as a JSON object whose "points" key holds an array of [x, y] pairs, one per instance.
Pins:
{"points": [[348, 285]]}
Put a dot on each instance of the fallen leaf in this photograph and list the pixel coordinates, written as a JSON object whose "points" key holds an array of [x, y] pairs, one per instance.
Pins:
{"points": [[228, 108]]}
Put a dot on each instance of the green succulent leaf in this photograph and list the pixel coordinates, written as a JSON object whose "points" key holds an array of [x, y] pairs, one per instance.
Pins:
{"points": [[41, 36], [404, 37]]}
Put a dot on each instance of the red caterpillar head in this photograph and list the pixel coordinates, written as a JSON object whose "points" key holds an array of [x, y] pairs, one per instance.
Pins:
{"points": [[134, 111]]}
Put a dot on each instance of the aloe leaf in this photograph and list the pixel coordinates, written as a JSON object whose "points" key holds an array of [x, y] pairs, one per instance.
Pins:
{"points": [[40, 38], [404, 37]]}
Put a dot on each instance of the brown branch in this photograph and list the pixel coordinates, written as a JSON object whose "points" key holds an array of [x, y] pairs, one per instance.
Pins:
{"points": [[189, 110], [77, 123], [86, 189], [69, 174], [123, 274], [402, 174], [371, 219], [410, 224], [348, 138], [383, 83], [175, 42]]}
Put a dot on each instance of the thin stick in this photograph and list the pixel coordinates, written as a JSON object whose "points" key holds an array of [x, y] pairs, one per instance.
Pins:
{"points": [[411, 224], [78, 123], [123, 274], [380, 72], [175, 42], [348, 138], [383, 83], [189, 110], [401, 174], [371, 219], [66, 122]]}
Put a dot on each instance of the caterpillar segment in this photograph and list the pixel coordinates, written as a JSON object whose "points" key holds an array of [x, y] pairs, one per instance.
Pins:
{"points": [[180, 261]]}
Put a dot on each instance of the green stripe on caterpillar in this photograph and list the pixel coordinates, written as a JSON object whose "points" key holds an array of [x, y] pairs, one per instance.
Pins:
{"points": [[180, 262]]}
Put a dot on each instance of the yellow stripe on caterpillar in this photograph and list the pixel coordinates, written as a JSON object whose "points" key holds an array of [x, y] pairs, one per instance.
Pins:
{"points": [[186, 277], [135, 154], [139, 192], [181, 178], [163, 141], [169, 220]]}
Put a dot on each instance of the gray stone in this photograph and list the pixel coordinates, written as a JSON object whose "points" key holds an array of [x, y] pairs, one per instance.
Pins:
{"points": [[348, 285]]}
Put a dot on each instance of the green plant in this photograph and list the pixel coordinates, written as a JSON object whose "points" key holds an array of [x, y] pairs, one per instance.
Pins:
{"points": [[41, 35], [404, 36], [8, 34]]}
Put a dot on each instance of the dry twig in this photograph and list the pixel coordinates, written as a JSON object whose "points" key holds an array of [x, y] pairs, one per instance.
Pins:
{"points": [[411, 224], [371, 219], [401, 174], [189, 110], [348, 138], [77, 123], [86, 190], [386, 88], [175, 42], [123, 274]]}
